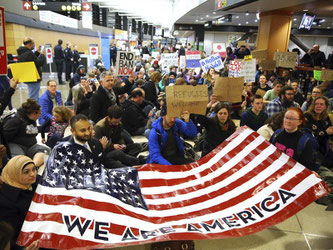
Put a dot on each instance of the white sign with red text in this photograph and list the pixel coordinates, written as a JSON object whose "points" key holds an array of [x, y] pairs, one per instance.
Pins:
{"points": [[93, 51]]}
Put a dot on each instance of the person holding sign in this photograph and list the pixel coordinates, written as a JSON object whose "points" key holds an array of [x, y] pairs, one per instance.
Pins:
{"points": [[25, 54], [217, 128], [165, 144], [262, 86]]}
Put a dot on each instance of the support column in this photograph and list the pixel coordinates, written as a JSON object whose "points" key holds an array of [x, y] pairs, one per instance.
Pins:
{"points": [[274, 32]]}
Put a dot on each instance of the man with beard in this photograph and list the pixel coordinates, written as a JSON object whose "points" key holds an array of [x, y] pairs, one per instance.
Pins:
{"points": [[283, 102], [82, 139], [165, 144]]}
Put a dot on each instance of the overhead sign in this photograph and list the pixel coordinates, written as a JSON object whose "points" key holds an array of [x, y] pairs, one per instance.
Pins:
{"points": [[125, 64], [93, 51], [168, 59], [53, 6], [3, 54], [193, 59], [229, 4], [86, 6], [213, 61], [55, 18], [48, 53]]}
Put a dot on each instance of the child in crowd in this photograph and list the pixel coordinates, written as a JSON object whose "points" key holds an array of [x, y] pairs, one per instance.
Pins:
{"points": [[58, 125]]}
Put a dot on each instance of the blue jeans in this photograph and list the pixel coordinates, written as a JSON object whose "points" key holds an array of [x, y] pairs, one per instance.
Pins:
{"points": [[33, 90]]}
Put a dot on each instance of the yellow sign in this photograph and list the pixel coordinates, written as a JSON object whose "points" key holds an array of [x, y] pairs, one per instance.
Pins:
{"points": [[248, 58], [24, 72]]}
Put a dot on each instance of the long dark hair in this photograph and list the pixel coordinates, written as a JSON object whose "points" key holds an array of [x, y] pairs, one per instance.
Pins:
{"points": [[229, 122]]}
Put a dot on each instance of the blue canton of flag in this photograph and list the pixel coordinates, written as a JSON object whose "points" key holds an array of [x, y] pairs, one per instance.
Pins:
{"points": [[71, 167]]}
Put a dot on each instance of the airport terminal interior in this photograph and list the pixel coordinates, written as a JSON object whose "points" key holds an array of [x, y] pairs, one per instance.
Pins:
{"points": [[208, 26]]}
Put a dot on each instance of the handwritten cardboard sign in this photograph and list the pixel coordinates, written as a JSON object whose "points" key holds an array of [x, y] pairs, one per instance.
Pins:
{"points": [[259, 54], [326, 75], [125, 64], [240, 43], [260, 92], [229, 89], [214, 61], [267, 64], [180, 98], [285, 59]]}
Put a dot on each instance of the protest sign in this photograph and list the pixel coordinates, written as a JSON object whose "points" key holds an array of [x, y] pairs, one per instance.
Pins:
{"points": [[229, 89], [317, 75], [259, 54], [154, 54], [213, 61], [193, 59], [285, 59], [180, 98], [182, 62], [24, 72], [240, 43], [145, 57], [235, 68], [261, 92], [93, 51], [220, 48], [267, 64], [125, 64], [48, 53], [249, 70], [248, 58], [326, 75], [168, 59]]}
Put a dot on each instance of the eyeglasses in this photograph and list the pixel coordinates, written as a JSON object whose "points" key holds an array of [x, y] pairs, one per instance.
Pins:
{"points": [[291, 118], [316, 92]]}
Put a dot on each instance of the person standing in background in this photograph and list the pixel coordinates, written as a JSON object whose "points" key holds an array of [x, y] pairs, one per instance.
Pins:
{"points": [[59, 60], [69, 60], [76, 58], [25, 54], [113, 55]]}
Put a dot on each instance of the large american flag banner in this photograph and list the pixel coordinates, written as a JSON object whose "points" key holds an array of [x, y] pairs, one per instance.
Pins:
{"points": [[243, 186]]}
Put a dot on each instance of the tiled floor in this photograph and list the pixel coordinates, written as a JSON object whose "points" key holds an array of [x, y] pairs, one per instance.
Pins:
{"points": [[311, 228]]}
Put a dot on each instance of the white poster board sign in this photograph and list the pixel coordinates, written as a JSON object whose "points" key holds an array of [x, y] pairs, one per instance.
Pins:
{"points": [[125, 64], [249, 70], [214, 61], [48, 53], [168, 59], [182, 62]]}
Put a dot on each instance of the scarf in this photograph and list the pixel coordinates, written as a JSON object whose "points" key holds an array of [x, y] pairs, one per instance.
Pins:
{"points": [[111, 95], [12, 172]]}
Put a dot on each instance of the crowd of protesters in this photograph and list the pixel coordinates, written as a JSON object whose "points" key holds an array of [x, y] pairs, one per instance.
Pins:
{"points": [[105, 111]]}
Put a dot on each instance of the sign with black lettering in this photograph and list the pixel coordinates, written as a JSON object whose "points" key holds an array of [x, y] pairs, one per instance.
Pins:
{"points": [[182, 98], [125, 64], [285, 59]]}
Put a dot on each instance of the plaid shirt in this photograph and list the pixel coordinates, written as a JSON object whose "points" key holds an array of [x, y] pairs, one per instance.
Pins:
{"points": [[276, 106]]}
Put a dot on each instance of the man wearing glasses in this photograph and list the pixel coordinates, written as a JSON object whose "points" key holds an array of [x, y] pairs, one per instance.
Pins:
{"points": [[283, 102]]}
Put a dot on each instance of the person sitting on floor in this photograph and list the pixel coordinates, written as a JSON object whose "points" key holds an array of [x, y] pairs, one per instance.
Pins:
{"points": [[254, 117], [165, 144], [118, 153]]}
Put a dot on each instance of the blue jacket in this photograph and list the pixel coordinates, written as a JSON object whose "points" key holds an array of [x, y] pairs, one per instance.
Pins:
{"points": [[156, 144], [46, 105]]}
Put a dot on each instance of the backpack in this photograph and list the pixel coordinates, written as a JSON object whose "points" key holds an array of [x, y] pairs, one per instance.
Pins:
{"points": [[307, 136], [189, 153]]}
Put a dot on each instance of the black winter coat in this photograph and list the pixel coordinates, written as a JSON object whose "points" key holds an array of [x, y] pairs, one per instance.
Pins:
{"points": [[20, 129], [214, 135], [14, 205], [151, 93], [133, 116], [100, 102], [26, 55]]}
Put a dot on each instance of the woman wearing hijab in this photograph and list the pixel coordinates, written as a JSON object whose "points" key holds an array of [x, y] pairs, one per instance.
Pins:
{"points": [[18, 188]]}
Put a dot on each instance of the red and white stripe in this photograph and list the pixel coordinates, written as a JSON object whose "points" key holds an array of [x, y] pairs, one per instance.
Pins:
{"points": [[238, 174]]}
